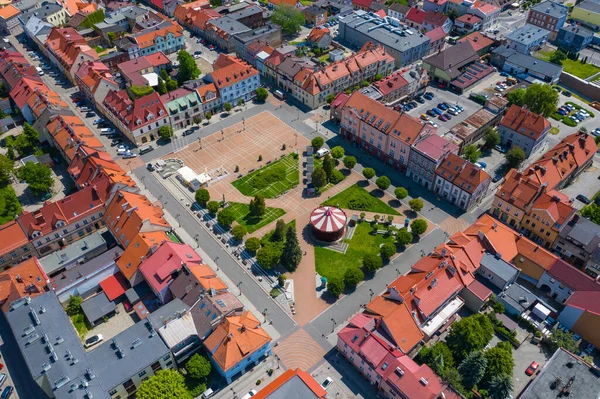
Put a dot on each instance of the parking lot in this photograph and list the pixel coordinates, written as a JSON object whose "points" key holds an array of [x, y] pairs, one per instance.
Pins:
{"points": [[451, 99], [523, 356]]}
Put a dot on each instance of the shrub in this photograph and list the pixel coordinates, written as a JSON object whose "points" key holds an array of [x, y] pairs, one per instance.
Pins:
{"points": [[336, 176], [349, 162], [198, 367], [358, 204], [418, 226], [141, 91], [387, 250], [569, 122], [213, 207], [353, 276], [335, 286], [368, 173], [498, 307], [239, 231], [281, 279], [337, 152], [383, 182], [317, 142], [252, 245], [74, 305], [416, 204], [372, 262], [401, 193]]}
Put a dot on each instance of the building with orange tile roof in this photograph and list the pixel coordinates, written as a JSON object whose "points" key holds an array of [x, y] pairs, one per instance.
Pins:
{"points": [[488, 13], [236, 80], [68, 50], [57, 224], [319, 37], [196, 20], [394, 135], [523, 128], [194, 281], [68, 133], [581, 315], [14, 66], [480, 43], [167, 37], [183, 13], [95, 80], [402, 83], [236, 344], [289, 3], [460, 182], [9, 23], [143, 245], [294, 381], [368, 348], [33, 97], [26, 279], [467, 23], [516, 195], [128, 214], [549, 214], [16, 246], [427, 153]]}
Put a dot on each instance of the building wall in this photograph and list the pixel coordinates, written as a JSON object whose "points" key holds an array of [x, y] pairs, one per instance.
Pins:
{"points": [[542, 20], [538, 231], [452, 193], [569, 316], [472, 301], [9, 259], [528, 47], [558, 290], [494, 278], [587, 327], [354, 358], [530, 270], [243, 89], [515, 69], [572, 41], [510, 138], [586, 16], [254, 357], [119, 392], [421, 169], [506, 212]]}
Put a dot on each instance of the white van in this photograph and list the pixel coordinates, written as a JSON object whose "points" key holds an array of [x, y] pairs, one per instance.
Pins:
{"points": [[39, 71], [146, 148], [208, 393], [279, 94], [322, 152]]}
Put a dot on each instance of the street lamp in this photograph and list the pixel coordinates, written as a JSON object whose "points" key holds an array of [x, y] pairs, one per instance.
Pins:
{"points": [[196, 239], [265, 314], [398, 271], [371, 293], [239, 285], [217, 262], [333, 326]]}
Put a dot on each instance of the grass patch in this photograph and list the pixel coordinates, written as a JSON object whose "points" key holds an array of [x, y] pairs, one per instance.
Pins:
{"points": [[173, 237], [271, 180], [275, 292], [9, 204], [359, 199], [80, 325], [554, 130], [324, 58], [306, 3], [243, 217], [573, 67], [334, 264]]}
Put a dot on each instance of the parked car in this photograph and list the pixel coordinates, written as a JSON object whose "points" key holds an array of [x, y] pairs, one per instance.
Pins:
{"points": [[442, 118], [596, 132], [583, 199], [93, 340], [98, 121], [150, 167], [420, 100], [7, 393], [453, 111], [532, 368], [437, 111], [497, 178], [187, 132], [442, 106], [116, 142], [326, 383], [430, 112], [129, 155], [424, 117], [432, 124], [2, 379], [107, 130], [196, 56], [448, 117], [481, 164], [85, 109], [90, 114]]}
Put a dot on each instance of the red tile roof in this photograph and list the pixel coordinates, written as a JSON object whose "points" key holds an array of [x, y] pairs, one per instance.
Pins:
{"points": [[436, 19], [12, 237], [585, 300], [572, 277], [26, 88], [416, 15], [137, 113], [462, 173], [317, 34], [479, 290], [520, 189], [436, 34], [557, 206], [477, 40], [362, 3], [469, 19], [391, 83], [114, 286], [235, 72], [14, 66], [340, 100], [25, 279], [68, 45], [279, 383], [397, 320], [525, 122], [434, 146]]}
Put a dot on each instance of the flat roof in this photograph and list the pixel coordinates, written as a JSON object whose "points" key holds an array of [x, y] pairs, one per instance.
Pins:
{"points": [[552, 9], [518, 297], [73, 252], [97, 307], [527, 34], [534, 64]]}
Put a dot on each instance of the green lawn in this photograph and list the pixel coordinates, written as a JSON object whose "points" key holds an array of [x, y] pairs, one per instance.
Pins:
{"points": [[173, 237], [573, 67], [9, 204], [359, 199], [271, 180], [334, 264], [554, 130], [252, 224]]}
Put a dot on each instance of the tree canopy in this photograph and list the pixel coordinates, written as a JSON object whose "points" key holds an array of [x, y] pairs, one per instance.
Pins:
{"points": [[438, 356], [401, 193], [328, 166], [404, 237], [470, 334], [226, 216], [471, 153], [292, 253], [317, 142], [319, 177], [239, 231], [541, 99], [416, 204], [491, 138], [383, 182], [515, 157], [165, 384], [261, 94], [516, 97], [6, 170], [353, 276], [349, 161], [500, 386], [387, 250], [499, 362], [473, 368], [257, 206], [335, 286], [418, 226], [38, 176], [372, 262], [561, 339], [213, 206], [188, 69], [165, 132], [202, 196], [368, 173], [289, 18], [252, 244], [337, 152], [198, 366], [268, 256], [557, 57]]}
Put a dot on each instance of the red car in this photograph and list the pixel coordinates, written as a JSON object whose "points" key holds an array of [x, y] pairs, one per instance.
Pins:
{"points": [[532, 368]]}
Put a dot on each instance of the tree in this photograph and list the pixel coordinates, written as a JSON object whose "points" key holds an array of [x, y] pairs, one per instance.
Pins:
{"points": [[317, 142], [330, 98], [473, 368], [261, 94], [240, 102], [202, 196], [258, 206], [188, 69], [164, 75], [561, 339], [213, 206], [453, 14], [289, 18], [140, 91], [515, 157], [335, 286], [337, 152], [239, 231], [400, 193], [516, 97], [336, 177], [470, 334], [268, 256], [226, 217], [227, 107], [499, 361], [404, 237], [162, 87], [252, 244], [292, 253], [27, 141], [368, 173], [319, 177], [6, 170], [491, 138], [383, 182], [372, 262], [208, 115], [165, 132], [416, 204], [165, 384], [557, 57], [279, 233], [387, 250], [591, 212], [349, 161], [171, 84], [418, 226], [471, 153], [353, 276], [74, 305], [198, 367], [541, 99], [328, 166], [38, 176], [438, 356], [500, 386]]}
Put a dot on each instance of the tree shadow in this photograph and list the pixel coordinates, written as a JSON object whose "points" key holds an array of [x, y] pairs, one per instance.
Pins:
{"points": [[329, 298], [395, 203], [362, 183], [377, 193], [345, 172], [409, 213]]}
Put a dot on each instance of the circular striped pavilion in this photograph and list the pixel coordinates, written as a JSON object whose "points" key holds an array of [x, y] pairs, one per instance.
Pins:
{"points": [[328, 223]]}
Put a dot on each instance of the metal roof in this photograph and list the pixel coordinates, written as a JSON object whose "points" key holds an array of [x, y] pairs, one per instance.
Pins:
{"points": [[72, 253], [499, 266], [97, 307]]}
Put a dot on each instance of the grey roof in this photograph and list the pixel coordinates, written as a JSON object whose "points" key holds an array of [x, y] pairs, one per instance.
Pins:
{"points": [[210, 309], [292, 65], [73, 253], [294, 388], [499, 267], [385, 34], [245, 12], [229, 25], [590, 5], [251, 35], [371, 92], [171, 310], [583, 231], [504, 51], [534, 64], [132, 12], [562, 368], [97, 307], [139, 347], [527, 34], [400, 8], [518, 297], [51, 348], [552, 9], [578, 30], [42, 12], [25, 5], [313, 10], [132, 295], [453, 58], [84, 270]]}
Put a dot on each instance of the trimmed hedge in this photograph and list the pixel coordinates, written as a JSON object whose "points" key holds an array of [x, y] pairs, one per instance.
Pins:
{"points": [[569, 122]]}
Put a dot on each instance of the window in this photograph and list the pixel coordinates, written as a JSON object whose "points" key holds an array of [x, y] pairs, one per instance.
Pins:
{"points": [[167, 357], [143, 373], [129, 386], [111, 393], [156, 366]]}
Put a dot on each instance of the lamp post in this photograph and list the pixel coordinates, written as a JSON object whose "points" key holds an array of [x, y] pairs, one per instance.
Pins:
{"points": [[398, 271], [371, 293], [217, 262], [265, 314], [196, 239], [239, 285], [333, 324]]}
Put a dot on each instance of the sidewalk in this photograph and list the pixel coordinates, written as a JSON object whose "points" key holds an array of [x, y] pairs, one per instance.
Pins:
{"points": [[187, 239]]}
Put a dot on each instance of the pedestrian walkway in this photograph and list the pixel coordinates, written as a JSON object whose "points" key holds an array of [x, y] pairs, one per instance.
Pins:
{"points": [[299, 350]]}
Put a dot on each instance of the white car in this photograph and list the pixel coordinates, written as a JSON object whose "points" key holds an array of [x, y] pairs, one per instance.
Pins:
{"points": [[196, 56], [93, 340], [106, 131], [326, 383], [129, 154], [98, 121], [432, 123], [250, 394], [596, 132]]}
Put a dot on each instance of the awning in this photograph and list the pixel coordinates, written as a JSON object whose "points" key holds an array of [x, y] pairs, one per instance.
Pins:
{"points": [[443, 315], [114, 286]]}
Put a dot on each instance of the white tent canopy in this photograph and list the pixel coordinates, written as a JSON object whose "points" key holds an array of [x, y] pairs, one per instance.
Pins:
{"points": [[189, 177], [541, 311]]}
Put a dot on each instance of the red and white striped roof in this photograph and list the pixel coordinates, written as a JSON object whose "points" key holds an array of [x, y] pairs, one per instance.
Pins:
{"points": [[328, 219]]}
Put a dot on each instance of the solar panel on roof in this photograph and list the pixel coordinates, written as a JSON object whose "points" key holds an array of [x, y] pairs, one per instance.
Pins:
{"points": [[221, 303]]}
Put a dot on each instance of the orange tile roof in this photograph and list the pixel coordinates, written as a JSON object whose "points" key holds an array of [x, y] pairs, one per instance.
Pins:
{"points": [[236, 338], [462, 173], [207, 277], [288, 375], [234, 72], [12, 237], [292, 3], [556, 205], [145, 110], [8, 11], [397, 321], [26, 88], [478, 41], [68, 46], [520, 189], [525, 122], [147, 39], [534, 253], [25, 279], [69, 132], [316, 34], [141, 246], [93, 74]]}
